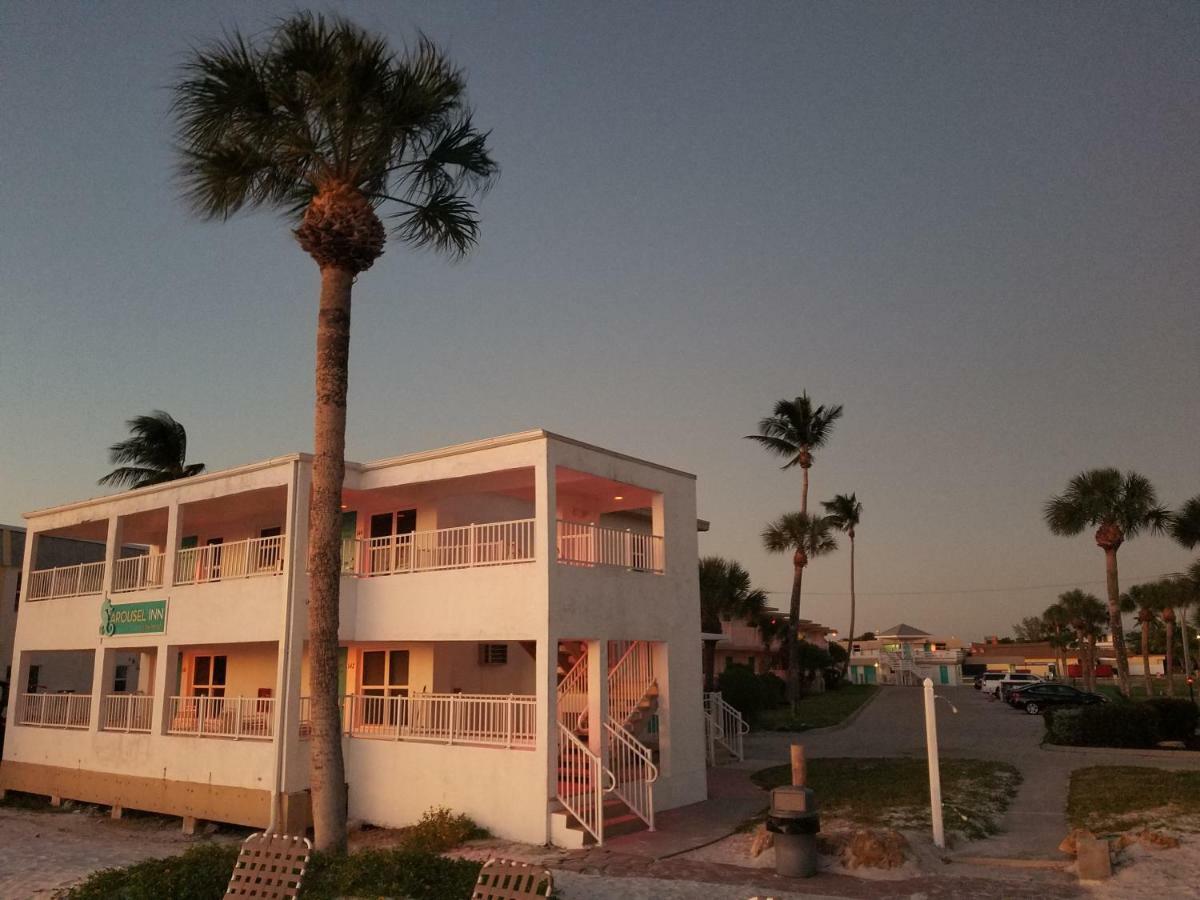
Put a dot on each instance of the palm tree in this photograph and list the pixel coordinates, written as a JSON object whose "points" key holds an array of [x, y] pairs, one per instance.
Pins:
{"points": [[1087, 615], [794, 431], [322, 121], [1189, 594], [1057, 622], [725, 595], [1119, 507], [1185, 524], [844, 513], [807, 537], [1146, 600], [156, 451], [1185, 529]]}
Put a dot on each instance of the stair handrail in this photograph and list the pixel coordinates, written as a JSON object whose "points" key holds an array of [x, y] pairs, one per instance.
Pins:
{"points": [[627, 756], [629, 679], [730, 726], [578, 760], [573, 690]]}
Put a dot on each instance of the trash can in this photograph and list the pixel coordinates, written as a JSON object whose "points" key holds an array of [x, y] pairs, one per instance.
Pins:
{"points": [[794, 821]]}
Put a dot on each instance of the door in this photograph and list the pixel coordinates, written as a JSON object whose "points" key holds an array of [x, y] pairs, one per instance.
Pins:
{"points": [[869, 671], [214, 559], [944, 671], [268, 558], [384, 687]]}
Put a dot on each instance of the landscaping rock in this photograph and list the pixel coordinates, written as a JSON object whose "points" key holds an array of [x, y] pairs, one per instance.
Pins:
{"points": [[1151, 840], [1070, 842], [865, 848], [763, 840]]}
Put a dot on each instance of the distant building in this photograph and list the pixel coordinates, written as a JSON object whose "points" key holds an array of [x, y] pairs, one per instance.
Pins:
{"points": [[742, 644], [906, 655]]}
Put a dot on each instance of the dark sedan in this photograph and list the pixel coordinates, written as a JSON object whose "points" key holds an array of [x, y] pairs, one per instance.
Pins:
{"points": [[1036, 698]]}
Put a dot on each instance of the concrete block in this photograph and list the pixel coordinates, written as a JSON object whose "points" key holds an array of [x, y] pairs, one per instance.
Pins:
{"points": [[1092, 859], [189, 824], [55, 800], [116, 811]]}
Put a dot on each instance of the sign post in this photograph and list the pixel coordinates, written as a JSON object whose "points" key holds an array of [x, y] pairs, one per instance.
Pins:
{"points": [[935, 775]]}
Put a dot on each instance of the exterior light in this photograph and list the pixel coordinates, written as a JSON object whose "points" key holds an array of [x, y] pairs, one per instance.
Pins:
{"points": [[618, 497]]}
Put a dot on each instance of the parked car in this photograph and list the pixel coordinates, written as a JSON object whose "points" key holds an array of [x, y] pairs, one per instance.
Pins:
{"points": [[1036, 698], [982, 681], [1015, 679]]}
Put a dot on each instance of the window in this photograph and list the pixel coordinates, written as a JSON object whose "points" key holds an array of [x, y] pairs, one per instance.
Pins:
{"points": [[384, 674], [120, 679], [493, 654], [31, 685], [208, 676]]}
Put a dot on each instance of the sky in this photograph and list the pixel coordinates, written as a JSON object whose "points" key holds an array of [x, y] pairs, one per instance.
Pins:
{"points": [[974, 225]]}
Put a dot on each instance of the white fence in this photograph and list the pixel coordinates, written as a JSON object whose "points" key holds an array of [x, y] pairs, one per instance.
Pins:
{"points": [[238, 559], [583, 544], [230, 717], [725, 726], [66, 581], [134, 573], [126, 712], [633, 771], [582, 782], [463, 547], [493, 720], [56, 710]]}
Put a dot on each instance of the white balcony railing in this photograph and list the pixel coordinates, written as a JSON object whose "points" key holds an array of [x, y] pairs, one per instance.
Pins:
{"points": [[489, 544], [126, 712], [226, 717], [492, 720], [66, 581], [135, 573], [584, 544], [237, 559], [56, 710]]}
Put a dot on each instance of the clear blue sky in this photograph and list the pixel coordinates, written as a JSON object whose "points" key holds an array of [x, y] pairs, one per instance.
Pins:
{"points": [[975, 225]]}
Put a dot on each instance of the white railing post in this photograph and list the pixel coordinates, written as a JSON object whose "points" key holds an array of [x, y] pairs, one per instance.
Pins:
{"points": [[935, 778]]}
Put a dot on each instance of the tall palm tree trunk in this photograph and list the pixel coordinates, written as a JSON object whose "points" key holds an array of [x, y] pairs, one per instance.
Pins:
{"points": [[1093, 659], [850, 637], [1114, 619], [1146, 657], [1187, 652], [793, 639], [327, 774], [804, 487], [1169, 623]]}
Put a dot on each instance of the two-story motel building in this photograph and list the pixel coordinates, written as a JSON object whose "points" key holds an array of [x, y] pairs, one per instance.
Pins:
{"points": [[519, 622]]}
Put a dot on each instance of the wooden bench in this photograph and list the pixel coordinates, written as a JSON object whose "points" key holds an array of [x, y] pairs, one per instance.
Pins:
{"points": [[504, 879]]}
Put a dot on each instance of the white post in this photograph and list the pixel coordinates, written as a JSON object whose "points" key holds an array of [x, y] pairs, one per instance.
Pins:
{"points": [[935, 778]]}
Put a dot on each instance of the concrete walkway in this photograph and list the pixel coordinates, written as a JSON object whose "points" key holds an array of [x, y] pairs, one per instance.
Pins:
{"points": [[893, 725]]}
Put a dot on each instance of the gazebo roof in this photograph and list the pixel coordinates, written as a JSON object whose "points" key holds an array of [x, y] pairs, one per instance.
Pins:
{"points": [[902, 630]]}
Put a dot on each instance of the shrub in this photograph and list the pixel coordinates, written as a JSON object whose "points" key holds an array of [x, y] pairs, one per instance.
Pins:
{"points": [[201, 873], [1177, 719], [774, 688], [440, 830], [744, 691], [387, 873], [1104, 725]]}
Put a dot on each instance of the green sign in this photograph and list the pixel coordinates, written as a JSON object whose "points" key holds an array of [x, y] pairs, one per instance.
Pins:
{"points": [[144, 617]]}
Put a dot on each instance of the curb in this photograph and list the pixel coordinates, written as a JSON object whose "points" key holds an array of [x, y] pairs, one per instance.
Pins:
{"points": [[1127, 752], [845, 723]]}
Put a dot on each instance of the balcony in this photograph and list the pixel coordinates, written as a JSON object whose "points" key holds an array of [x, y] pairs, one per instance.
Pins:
{"points": [[136, 573], [463, 547], [127, 712], [238, 559], [585, 544], [222, 717], [66, 581], [55, 710]]}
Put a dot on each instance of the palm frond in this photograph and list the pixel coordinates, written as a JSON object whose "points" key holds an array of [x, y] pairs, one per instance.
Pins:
{"points": [[156, 451], [1185, 524], [791, 532]]}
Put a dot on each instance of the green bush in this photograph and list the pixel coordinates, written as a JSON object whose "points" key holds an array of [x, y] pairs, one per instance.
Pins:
{"points": [[1177, 719], [774, 687], [1104, 725], [201, 873], [440, 830], [745, 691]]}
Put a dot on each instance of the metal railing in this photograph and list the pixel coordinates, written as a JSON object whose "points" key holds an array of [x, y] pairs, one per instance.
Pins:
{"points": [[584, 544], [491, 720], [629, 679], [134, 573], [634, 773], [237, 559], [572, 700], [126, 712], [56, 710], [462, 547], [227, 717], [582, 782], [66, 581], [728, 728]]}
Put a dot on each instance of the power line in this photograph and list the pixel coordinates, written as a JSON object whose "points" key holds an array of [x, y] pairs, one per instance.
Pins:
{"points": [[995, 590]]}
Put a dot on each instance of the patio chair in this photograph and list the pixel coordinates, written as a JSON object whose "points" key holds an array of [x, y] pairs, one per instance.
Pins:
{"points": [[505, 879], [269, 867]]}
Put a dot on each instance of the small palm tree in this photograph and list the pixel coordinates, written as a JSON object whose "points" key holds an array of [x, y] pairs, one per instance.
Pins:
{"points": [[1119, 507], [794, 431], [1087, 616], [1057, 623], [805, 537], [845, 513], [725, 595], [1185, 524], [155, 452], [1146, 600], [323, 122], [1185, 529]]}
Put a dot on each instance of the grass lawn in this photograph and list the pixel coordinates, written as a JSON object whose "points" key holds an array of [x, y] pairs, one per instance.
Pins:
{"points": [[895, 792], [1120, 798], [818, 710], [1137, 688]]}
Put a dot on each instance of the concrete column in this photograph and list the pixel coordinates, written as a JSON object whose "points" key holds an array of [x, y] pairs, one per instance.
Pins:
{"points": [[658, 523], [103, 663], [165, 661], [146, 671], [546, 512], [661, 661], [597, 662], [293, 627], [112, 551], [171, 545]]}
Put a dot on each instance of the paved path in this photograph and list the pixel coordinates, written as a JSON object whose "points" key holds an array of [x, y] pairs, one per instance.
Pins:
{"points": [[893, 725]]}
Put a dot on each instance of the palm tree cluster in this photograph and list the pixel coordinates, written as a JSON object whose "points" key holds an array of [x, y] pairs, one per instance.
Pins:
{"points": [[155, 452], [1121, 506], [726, 595], [793, 431], [325, 123]]}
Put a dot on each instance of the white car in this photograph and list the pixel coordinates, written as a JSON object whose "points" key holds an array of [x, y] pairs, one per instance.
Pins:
{"points": [[989, 680], [999, 689]]}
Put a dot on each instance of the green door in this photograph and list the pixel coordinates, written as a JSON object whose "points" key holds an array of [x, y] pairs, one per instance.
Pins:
{"points": [[869, 671], [945, 673]]}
